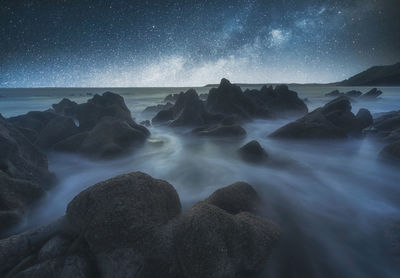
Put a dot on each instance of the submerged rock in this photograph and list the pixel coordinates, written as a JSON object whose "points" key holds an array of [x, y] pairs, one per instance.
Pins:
{"points": [[353, 93], [334, 120], [253, 152], [372, 94]]}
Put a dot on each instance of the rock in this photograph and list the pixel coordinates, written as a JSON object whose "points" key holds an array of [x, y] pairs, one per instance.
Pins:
{"points": [[253, 152], [188, 110], [332, 121], [387, 126], [124, 211], [171, 97], [157, 108], [123, 262], [24, 174], [391, 152], [210, 242], [334, 93], [55, 131], [66, 108], [371, 94], [353, 93], [203, 96], [221, 131], [107, 105], [364, 118], [228, 99], [146, 123], [34, 120], [15, 248], [77, 267], [236, 198], [49, 268], [54, 248]]}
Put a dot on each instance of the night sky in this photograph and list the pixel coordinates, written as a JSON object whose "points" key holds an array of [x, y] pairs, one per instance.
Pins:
{"points": [[181, 43]]}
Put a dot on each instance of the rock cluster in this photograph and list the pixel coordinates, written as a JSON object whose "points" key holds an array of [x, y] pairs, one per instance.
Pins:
{"points": [[106, 127], [24, 174], [332, 121], [370, 95], [132, 226]]}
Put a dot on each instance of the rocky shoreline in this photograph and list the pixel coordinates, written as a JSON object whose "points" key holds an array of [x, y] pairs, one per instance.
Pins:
{"points": [[132, 225]]}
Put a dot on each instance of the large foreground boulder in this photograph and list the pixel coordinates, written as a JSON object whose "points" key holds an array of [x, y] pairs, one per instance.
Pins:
{"points": [[24, 174], [332, 121], [132, 226]]}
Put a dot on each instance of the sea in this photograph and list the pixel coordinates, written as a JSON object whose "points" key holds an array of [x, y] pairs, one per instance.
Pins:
{"points": [[337, 205]]}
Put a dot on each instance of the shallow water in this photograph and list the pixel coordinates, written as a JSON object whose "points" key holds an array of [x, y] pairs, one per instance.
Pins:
{"points": [[333, 200]]}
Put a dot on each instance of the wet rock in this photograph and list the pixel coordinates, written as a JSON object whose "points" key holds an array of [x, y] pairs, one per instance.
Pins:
{"points": [[171, 97], [332, 121], [66, 108], [157, 108], [55, 131], [236, 198], [221, 131], [123, 211], [210, 242], [54, 248], [253, 152], [372, 94]]}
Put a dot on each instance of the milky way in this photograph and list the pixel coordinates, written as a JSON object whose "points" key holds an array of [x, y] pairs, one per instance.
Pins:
{"points": [[189, 43]]}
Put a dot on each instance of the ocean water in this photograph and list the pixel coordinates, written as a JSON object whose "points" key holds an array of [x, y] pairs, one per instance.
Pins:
{"points": [[334, 201]]}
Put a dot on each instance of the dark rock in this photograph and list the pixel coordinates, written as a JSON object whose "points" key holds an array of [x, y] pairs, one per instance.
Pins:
{"points": [[391, 152], [334, 93], [107, 105], [146, 123], [49, 268], [55, 131], [123, 211], [372, 94], [54, 248], [228, 99], [387, 126], [334, 120], [171, 97], [364, 118], [157, 108], [353, 93], [34, 120], [221, 131], [188, 110], [253, 152], [24, 174], [210, 242], [203, 96], [236, 198], [66, 108], [77, 267], [123, 262]]}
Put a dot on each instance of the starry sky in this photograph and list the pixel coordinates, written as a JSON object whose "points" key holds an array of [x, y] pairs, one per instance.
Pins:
{"points": [[46, 43]]}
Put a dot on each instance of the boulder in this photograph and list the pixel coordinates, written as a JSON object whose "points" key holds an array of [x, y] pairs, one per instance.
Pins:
{"points": [[54, 248], [66, 108], [253, 152], [364, 118], [236, 198], [332, 121], [124, 211], [334, 93], [163, 116], [56, 130], [210, 242]]}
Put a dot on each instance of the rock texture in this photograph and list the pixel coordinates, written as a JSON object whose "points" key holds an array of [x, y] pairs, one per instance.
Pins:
{"points": [[253, 152], [132, 226], [24, 174], [332, 121]]}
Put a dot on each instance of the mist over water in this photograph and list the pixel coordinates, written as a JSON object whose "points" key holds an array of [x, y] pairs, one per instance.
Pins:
{"points": [[333, 200]]}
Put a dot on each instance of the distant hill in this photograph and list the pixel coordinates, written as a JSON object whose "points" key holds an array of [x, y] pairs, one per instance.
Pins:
{"points": [[378, 75]]}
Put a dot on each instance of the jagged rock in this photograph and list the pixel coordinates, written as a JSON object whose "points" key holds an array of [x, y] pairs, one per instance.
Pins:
{"points": [[171, 97], [123, 211], [157, 108], [188, 110], [55, 131], [372, 94], [66, 108], [253, 152], [334, 120]]}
